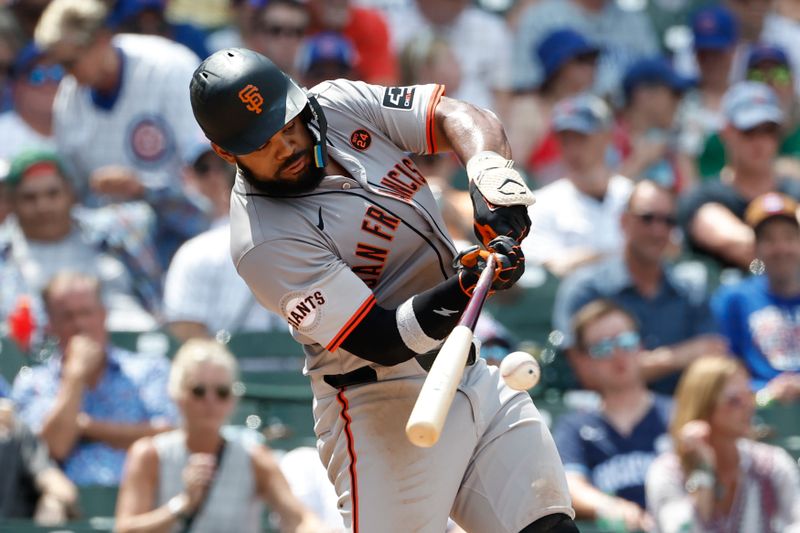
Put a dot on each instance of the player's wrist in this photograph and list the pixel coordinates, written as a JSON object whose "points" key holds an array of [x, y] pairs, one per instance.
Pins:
{"points": [[484, 161]]}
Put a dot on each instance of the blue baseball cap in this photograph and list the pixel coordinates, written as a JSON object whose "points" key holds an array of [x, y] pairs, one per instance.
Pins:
{"points": [[327, 46], [654, 71], [585, 113], [714, 28], [561, 46], [763, 53], [748, 104]]}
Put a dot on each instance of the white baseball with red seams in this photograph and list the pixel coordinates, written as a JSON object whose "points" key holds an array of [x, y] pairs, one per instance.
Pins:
{"points": [[520, 370]]}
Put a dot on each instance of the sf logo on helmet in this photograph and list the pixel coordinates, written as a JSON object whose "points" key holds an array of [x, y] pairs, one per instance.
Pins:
{"points": [[250, 96]]}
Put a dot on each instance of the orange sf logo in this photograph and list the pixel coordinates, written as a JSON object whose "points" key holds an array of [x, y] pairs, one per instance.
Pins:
{"points": [[250, 96]]}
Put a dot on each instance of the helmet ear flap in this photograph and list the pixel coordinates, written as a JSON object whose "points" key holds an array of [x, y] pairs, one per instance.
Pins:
{"points": [[318, 124]]}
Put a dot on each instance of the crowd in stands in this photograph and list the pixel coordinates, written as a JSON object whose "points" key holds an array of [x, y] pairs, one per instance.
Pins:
{"points": [[661, 139]]}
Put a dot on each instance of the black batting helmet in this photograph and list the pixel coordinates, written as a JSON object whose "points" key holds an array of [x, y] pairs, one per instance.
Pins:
{"points": [[241, 99]]}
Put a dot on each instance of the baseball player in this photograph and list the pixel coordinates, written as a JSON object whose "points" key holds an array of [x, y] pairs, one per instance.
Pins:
{"points": [[334, 228]]}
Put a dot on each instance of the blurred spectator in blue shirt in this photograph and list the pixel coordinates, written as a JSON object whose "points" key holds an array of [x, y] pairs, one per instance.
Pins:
{"points": [[606, 452], [91, 401], [4, 389], [11, 42], [674, 319], [760, 316], [326, 56]]}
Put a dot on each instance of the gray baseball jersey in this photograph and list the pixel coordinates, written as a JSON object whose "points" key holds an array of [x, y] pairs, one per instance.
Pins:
{"points": [[322, 260]]}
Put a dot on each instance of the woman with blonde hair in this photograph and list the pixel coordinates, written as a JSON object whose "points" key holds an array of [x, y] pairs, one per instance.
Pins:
{"points": [[718, 479], [193, 478]]}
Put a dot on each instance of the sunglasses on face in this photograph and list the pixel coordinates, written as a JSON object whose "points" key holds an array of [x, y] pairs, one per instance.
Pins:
{"points": [[199, 391], [276, 30], [780, 75], [651, 218], [45, 73], [627, 341]]}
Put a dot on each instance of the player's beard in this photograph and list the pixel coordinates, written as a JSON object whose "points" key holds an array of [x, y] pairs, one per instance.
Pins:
{"points": [[306, 181]]}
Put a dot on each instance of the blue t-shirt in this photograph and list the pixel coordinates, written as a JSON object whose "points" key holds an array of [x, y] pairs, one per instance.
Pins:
{"points": [[763, 329], [615, 464], [4, 388]]}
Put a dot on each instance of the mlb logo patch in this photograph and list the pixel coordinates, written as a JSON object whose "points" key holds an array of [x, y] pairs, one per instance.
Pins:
{"points": [[398, 97]]}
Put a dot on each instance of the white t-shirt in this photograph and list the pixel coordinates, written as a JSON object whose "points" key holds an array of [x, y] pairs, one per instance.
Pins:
{"points": [[150, 127], [563, 219], [202, 285], [16, 136]]}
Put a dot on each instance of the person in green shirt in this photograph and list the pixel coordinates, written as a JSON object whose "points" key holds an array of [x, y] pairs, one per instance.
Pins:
{"points": [[767, 64]]}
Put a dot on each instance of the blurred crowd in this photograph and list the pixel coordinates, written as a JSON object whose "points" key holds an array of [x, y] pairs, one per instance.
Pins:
{"points": [[662, 141]]}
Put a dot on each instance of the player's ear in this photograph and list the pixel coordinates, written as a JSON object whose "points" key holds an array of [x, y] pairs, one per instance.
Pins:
{"points": [[224, 154]]}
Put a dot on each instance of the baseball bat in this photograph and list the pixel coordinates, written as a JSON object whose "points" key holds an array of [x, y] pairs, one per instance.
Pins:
{"points": [[433, 403]]}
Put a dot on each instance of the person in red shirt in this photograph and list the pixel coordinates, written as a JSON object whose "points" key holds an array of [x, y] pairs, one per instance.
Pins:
{"points": [[367, 30]]}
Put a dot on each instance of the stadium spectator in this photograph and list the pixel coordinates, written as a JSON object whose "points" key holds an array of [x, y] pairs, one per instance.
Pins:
{"points": [[782, 29], [4, 388], [622, 35], [11, 42], [759, 315], [480, 41], [49, 233], [29, 124], [671, 311], [122, 123], [195, 477], [31, 486], [591, 192], [203, 294], [91, 400], [326, 56], [569, 64], [718, 480], [606, 452], [276, 30], [367, 30], [148, 17], [768, 65], [715, 35], [646, 134], [713, 214]]}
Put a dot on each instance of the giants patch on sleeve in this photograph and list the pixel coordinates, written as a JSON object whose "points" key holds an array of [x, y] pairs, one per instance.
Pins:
{"points": [[398, 97], [303, 309]]}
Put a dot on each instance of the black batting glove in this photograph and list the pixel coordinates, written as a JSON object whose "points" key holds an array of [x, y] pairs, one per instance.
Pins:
{"points": [[492, 220], [510, 264]]}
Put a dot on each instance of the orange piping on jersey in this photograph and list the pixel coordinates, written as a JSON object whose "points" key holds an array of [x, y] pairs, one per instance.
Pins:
{"points": [[430, 122], [351, 324], [351, 451]]}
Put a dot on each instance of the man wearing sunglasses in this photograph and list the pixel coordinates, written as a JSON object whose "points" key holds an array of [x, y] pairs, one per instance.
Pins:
{"points": [[712, 215], [606, 452], [673, 315]]}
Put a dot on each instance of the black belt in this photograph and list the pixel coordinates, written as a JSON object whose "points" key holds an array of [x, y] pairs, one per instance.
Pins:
{"points": [[359, 376]]}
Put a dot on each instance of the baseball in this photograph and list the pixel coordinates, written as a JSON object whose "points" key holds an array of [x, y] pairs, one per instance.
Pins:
{"points": [[520, 370]]}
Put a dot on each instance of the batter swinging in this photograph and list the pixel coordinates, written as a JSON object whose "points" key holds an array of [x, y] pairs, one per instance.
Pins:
{"points": [[334, 228]]}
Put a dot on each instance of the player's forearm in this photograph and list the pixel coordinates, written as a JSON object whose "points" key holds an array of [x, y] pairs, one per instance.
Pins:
{"points": [[468, 130], [60, 430], [390, 337]]}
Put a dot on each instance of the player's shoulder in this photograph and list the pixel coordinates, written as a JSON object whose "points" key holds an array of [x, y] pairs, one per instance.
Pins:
{"points": [[333, 94]]}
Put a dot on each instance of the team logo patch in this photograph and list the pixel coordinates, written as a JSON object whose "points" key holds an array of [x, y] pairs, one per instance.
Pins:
{"points": [[303, 309], [251, 96], [360, 139], [150, 140], [398, 97]]}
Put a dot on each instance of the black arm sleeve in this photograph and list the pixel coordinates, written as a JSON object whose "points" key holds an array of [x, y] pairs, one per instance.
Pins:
{"points": [[377, 338]]}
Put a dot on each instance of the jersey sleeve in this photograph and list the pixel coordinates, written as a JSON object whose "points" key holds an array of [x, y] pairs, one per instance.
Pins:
{"points": [[309, 286], [404, 114]]}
